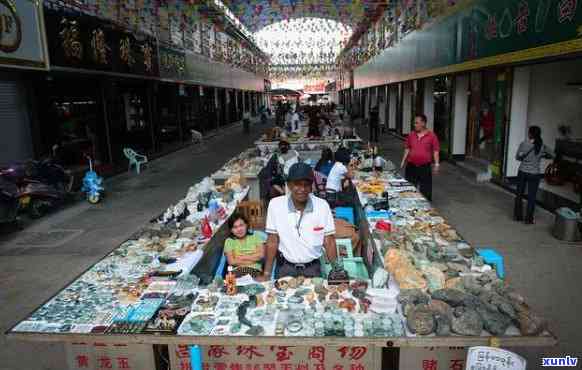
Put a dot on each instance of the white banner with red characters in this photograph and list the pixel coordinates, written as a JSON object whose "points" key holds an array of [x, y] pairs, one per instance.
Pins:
{"points": [[98, 356], [433, 358], [278, 358]]}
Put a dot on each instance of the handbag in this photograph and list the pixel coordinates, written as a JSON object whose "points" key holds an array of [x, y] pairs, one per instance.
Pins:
{"points": [[552, 175]]}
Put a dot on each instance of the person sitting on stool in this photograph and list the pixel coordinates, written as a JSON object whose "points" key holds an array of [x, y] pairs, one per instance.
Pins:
{"points": [[300, 228]]}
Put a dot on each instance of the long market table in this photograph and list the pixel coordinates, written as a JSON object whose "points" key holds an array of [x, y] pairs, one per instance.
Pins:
{"points": [[304, 144], [211, 251]]}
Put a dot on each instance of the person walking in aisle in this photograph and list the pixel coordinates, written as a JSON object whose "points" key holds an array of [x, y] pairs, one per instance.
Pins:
{"points": [[374, 124], [421, 148], [530, 153]]}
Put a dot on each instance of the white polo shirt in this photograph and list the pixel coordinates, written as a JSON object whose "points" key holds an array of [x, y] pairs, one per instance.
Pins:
{"points": [[300, 235], [336, 176], [287, 160]]}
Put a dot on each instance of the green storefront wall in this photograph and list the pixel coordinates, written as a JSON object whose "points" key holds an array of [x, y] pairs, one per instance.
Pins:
{"points": [[487, 32]]}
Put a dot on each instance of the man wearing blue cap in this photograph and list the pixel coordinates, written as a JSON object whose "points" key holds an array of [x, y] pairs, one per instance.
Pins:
{"points": [[300, 228]]}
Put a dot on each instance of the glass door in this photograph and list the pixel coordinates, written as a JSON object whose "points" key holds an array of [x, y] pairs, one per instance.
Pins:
{"points": [[443, 112]]}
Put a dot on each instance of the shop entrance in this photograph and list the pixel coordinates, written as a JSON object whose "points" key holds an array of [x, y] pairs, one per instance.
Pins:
{"points": [[443, 112], [189, 106], [232, 106], [417, 98], [222, 107], [488, 113], [399, 109], [208, 109], [239, 105], [129, 112], [168, 131], [71, 125]]}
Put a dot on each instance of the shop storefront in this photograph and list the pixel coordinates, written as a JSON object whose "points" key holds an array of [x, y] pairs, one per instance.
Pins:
{"points": [[22, 51], [489, 108], [189, 109], [100, 96], [71, 124], [223, 103], [170, 132], [232, 110], [548, 95], [209, 109], [443, 111]]}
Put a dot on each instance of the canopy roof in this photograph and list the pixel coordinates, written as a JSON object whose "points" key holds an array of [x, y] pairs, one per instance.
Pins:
{"points": [[257, 14]]}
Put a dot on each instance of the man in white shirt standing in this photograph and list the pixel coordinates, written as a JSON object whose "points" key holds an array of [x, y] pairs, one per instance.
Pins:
{"points": [[342, 170], [295, 120], [288, 121], [287, 156], [300, 228]]}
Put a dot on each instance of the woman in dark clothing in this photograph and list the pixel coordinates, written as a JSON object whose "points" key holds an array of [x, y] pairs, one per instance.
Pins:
{"points": [[530, 153], [326, 162], [313, 131]]}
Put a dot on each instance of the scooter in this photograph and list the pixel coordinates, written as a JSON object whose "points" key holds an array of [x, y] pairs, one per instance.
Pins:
{"points": [[92, 184]]}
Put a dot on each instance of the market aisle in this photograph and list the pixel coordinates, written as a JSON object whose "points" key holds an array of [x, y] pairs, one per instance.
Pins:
{"points": [[544, 270], [31, 274]]}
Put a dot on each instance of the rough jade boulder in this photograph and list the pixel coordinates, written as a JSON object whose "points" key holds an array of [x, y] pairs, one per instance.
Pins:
{"points": [[443, 325], [494, 322], [408, 277], [421, 320], [452, 297], [467, 322]]}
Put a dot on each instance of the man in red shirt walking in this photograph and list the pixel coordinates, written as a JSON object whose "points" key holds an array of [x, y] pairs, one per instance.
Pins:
{"points": [[421, 147]]}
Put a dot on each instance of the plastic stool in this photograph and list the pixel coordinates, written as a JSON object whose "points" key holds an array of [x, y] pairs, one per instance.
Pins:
{"points": [[347, 213], [195, 358], [492, 257]]}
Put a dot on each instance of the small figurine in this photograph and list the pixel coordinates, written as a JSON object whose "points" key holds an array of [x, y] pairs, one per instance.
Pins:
{"points": [[338, 275], [206, 228], [230, 282]]}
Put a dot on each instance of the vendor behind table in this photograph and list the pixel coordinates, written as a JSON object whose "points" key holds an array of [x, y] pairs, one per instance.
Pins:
{"points": [[341, 172], [243, 249], [300, 228]]}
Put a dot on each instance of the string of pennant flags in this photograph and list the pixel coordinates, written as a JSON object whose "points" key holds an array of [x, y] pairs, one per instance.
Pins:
{"points": [[280, 37]]}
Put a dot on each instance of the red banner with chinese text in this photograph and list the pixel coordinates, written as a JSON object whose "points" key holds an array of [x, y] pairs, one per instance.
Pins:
{"points": [[277, 358]]}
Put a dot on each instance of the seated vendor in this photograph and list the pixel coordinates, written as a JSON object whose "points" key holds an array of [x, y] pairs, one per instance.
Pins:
{"points": [[341, 172], [244, 251], [300, 228], [287, 156], [277, 182]]}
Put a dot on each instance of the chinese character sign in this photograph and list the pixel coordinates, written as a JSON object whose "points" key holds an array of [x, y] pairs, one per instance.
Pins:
{"points": [[248, 357], [442, 358], [494, 358], [98, 356], [21, 34]]}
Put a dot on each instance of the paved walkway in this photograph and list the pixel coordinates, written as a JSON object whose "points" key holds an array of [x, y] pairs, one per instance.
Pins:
{"points": [[546, 271]]}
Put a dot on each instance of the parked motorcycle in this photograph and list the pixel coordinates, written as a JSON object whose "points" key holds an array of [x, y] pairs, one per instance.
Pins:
{"points": [[38, 198], [46, 171], [42, 185], [9, 202], [92, 185]]}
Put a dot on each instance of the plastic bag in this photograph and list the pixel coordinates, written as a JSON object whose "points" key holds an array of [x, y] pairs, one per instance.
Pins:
{"points": [[567, 213]]}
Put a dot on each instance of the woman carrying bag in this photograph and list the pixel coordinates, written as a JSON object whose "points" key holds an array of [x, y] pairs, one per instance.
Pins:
{"points": [[530, 153]]}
